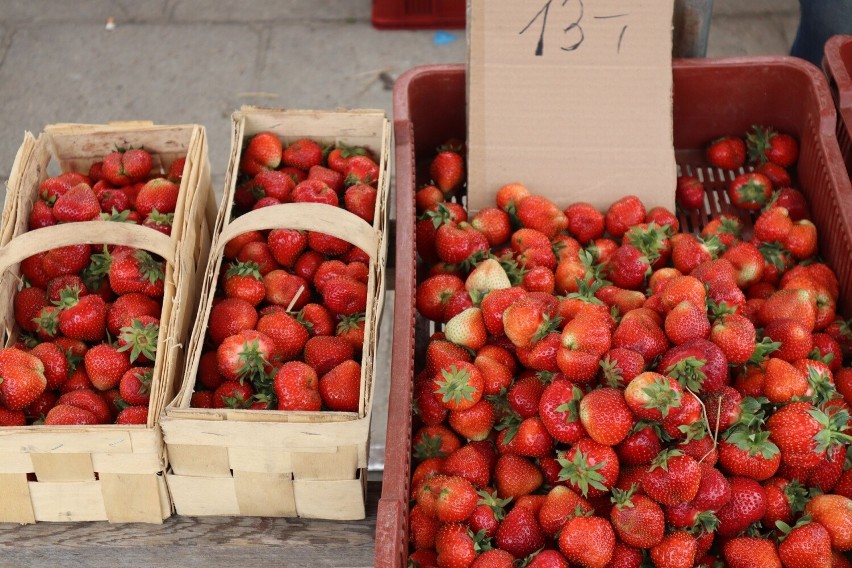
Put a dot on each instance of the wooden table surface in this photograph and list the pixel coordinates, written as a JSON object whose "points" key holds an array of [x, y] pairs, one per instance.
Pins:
{"points": [[186, 542]]}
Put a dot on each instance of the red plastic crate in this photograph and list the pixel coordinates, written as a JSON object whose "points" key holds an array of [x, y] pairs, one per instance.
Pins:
{"points": [[712, 97], [837, 64], [419, 14]]}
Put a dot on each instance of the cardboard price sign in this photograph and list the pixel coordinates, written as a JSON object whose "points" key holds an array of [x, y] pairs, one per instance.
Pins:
{"points": [[572, 98]]}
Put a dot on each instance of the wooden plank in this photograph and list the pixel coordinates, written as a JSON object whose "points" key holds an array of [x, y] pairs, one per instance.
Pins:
{"points": [[339, 500], [203, 495], [265, 494], [15, 503], [63, 467], [195, 542], [133, 498], [63, 502]]}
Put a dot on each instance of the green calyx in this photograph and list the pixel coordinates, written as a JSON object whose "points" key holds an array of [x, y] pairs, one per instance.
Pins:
{"points": [[140, 339], [454, 386], [581, 473]]}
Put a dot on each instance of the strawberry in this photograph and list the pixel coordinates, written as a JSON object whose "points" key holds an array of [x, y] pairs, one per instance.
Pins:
{"points": [[61, 261], [262, 153], [331, 178], [808, 544], [78, 204], [623, 214], [229, 317], [135, 386], [751, 552], [672, 478], [345, 296], [340, 154], [22, 378], [243, 280], [340, 387], [589, 468], [748, 262], [638, 521], [90, 400], [434, 441], [805, 433], [539, 213], [834, 512], [67, 415], [676, 550], [360, 199], [472, 464], [28, 304], [750, 190], [794, 337], [327, 244], [323, 353], [628, 267], [467, 329], [208, 372], [767, 144], [123, 167], [747, 505], [286, 331], [689, 192], [519, 533], [726, 228], [427, 197], [296, 386], [233, 394], [361, 169], [801, 241], [587, 541], [687, 322], [515, 476], [246, 357], [271, 183], [494, 558], [158, 195], [641, 333], [314, 191], [285, 289], [136, 270], [83, 318], [40, 216], [447, 170], [584, 222], [433, 294], [140, 339], [494, 223], [527, 320], [488, 275], [606, 416], [133, 415], [303, 154], [52, 187], [456, 243], [774, 224], [459, 386], [455, 546], [105, 365], [689, 251], [652, 396], [728, 152], [286, 245], [735, 336]]}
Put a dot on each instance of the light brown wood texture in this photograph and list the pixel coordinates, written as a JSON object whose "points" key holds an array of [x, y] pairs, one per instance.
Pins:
{"points": [[189, 542]]}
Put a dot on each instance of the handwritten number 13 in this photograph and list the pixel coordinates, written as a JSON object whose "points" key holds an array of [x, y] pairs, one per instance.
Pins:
{"points": [[575, 25]]}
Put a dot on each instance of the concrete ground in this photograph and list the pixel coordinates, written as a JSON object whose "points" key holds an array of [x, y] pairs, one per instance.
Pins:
{"points": [[195, 61]]}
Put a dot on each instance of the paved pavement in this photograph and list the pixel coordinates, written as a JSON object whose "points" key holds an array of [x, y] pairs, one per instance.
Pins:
{"points": [[195, 61]]}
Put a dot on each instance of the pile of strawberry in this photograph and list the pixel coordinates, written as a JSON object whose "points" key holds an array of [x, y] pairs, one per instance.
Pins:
{"points": [[306, 172], [89, 315], [607, 391], [121, 187], [286, 331]]}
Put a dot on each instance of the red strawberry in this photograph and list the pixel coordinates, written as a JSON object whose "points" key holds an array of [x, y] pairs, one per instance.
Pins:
{"points": [[454, 545], [606, 416], [330, 177], [160, 195], [323, 353], [136, 270], [519, 533], [747, 505], [245, 356], [589, 468], [105, 366], [139, 339], [272, 183], [133, 415], [360, 199], [262, 153], [750, 190], [84, 318], [433, 294], [455, 243], [41, 216], [90, 400], [689, 192], [540, 213], [805, 433], [623, 214], [638, 521], [28, 305], [735, 336], [78, 204], [361, 169], [52, 187], [494, 223], [588, 541], [296, 386], [303, 154], [834, 512], [751, 552], [233, 394], [447, 171], [229, 317], [22, 378], [340, 387], [339, 156], [728, 152], [767, 144], [585, 222], [515, 476], [653, 396], [676, 550], [135, 385], [243, 280], [287, 332], [285, 289], [67, 415], [286, 245], [345, 296], [807, 544], [672, 478], [123, 167]]}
